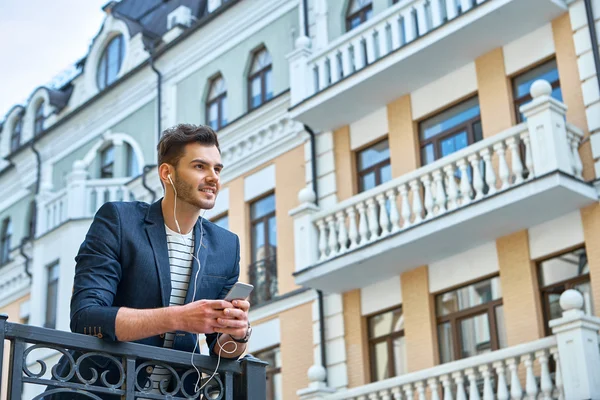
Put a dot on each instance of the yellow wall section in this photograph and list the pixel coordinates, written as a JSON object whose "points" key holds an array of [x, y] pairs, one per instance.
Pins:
{"points": [[403, 137], [494, 90], [345, 164], [289, 180], [590, 218], [13, 310], [239, 223], [419, 319], [357, 353], [296, 349], [570, 85], [520, 293]]}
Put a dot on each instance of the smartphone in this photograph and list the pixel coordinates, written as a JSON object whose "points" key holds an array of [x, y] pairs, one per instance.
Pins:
{"points": [[239, 291]]}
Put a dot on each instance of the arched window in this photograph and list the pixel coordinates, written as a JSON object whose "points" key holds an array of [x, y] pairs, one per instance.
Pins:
{"points": [[15, 137], [110, 62], [133, 166], [5, 241], [107, 163], [39, 119], [260, 79], [358, 12], [216, 104]]}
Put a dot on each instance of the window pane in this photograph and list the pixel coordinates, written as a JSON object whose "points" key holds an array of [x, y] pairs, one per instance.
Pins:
{"points": [[273, 234], [256, 92], [547, 71], [468, 296], [381, 361], [269, 84], [454, 143], [262, 207], [502, 341], [368, 181], [554, 308], [588, 303], [114, 63], [563, 267], [258, 237], [399, 351], [223, 222], [386, 323], [373, 155], [224, 111], [477, 131], [101, 73], [475, 336], [445, 342], [385, 173], [427, 154], [133, 168], [450, 118], [213, 115]]}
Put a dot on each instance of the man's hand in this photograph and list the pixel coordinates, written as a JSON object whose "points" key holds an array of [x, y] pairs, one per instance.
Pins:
{"points": [[234, 322], [205, 316]]}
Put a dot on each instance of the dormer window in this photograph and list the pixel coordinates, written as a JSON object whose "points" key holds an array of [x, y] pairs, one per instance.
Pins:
{"points": [[260, 82], [39, 119], [110, 62], [15, 137]]}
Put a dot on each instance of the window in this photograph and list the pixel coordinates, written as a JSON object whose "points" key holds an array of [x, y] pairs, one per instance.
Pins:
{"points": [[222, 221], [274, 382], [470, 320], [110, 62], [522, 84], [15, 138], [374, 166], [32, 220], [260, 80], [216, 104], [358, 12], [387, 346], [133, 167], [107, 162], [5, 241], [39, 119], [557, 274], [52, 296], [450, 131], [263, 271]]}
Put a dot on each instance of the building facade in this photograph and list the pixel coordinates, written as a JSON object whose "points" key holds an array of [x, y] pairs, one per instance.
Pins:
{"points": [[406, 197]]}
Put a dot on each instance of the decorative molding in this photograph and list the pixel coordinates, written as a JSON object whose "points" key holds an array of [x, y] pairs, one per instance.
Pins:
{"points": [[13, 281]]}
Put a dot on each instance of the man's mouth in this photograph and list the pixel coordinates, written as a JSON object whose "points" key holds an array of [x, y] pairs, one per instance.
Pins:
{"points": [[209, 190]]}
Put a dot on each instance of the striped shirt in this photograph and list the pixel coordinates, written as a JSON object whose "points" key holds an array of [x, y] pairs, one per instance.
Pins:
{"points": [[181, 249]]}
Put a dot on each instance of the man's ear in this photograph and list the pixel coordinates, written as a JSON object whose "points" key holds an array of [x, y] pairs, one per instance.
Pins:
{"points": [[163, 172]]}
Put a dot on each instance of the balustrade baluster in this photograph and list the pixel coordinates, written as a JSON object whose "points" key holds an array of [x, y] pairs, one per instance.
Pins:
{"points": [[473, 389], [408, 391], [577, 164], [384, 221], [346, 60], [465, 186], [382, 40], [370, 43], [385, 394], [428, 196], [528, 155], [409, 26], [405, 206], [342, 232], [501, 386], [545, 379], [373, 396], [558, 381], [334, 67], [446, 387], [373, 220], [517, 164], [395, 29], [530, 385], [436, 13], [422, 20], [394, 215], [421, 390], [323, 73], [503, 171], [490, 174], [481, 1], [359, 60], [363, 227], [477, 179], [488, 392], [397, 393], [452, 187], [417, 206], [451, 10], [332, 241], [322, 239], [465, 5], [459, 380], [433, 388], [516, 392], [352, 229], [440, 193]]}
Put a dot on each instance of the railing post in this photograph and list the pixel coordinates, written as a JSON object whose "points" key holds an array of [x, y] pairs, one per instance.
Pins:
{"points": [[578, 351], [301, 79], [317, 388], [550, 147], [252, 385], [76, 191], [306, 236]]}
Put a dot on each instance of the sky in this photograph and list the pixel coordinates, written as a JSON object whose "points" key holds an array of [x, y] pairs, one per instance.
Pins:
{"points": [[39, 39]]}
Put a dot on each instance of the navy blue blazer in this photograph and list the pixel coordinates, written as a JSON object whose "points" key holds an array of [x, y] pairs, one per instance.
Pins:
{"points": [[124, 262]]}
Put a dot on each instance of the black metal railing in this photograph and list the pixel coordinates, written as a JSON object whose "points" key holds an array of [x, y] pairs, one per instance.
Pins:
{"points": [[263, 275], [131, 363]]}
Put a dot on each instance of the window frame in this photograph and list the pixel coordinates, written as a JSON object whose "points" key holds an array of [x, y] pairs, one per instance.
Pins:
{"points": [[17, 131], [372, 342], [262, 74], [218, 100], [103, 166], [38, 126], [518, 102], [438, 138], [361, 13], [53, 281], [374, 168], [5, 239], [270, 371], [270, 258], [265, 219], [103, 81], [455, 318]]}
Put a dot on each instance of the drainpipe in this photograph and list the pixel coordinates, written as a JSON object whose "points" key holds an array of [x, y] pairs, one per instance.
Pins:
{"points": [[594, 38], [25, 256], [313, 155]]}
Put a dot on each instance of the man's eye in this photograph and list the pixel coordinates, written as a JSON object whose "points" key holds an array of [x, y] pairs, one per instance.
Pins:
{"points": [[199, 166]]}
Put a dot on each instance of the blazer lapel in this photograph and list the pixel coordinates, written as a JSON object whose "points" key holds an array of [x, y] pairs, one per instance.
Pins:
{"points": [[191, 296], [155, 228]]}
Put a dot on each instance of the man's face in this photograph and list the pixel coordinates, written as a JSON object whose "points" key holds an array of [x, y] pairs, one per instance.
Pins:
{"points": [[197, 175]]}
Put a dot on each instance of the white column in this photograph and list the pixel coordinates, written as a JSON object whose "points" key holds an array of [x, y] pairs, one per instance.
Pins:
{"points": [[301, 78], [550, 148], [578, 351], [76, 200], [306, 236]]}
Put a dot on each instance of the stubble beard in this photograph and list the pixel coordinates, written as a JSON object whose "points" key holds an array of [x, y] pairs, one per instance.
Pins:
{"points": [[190, 194]]}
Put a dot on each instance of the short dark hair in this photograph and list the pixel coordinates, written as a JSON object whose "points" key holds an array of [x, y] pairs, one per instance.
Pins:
{"points": [[173, 140]]}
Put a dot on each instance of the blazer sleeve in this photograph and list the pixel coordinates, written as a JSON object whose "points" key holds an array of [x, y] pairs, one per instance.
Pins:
{"points": [[97, 276], [231, 280]]}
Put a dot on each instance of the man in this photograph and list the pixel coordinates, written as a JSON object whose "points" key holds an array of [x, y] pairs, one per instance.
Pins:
{"points": [[154, 274]]}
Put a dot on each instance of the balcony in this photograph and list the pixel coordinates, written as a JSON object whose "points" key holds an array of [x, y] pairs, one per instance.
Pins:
{"points": [[518, 178], [407, 40], [243, 379], [81, 198]]}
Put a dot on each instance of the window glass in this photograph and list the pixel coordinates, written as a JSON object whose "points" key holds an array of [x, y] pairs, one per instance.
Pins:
{"points": [[469, 296], [223, 222], [387, 344], [450, 118], [475, 335], [110, 62]]}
